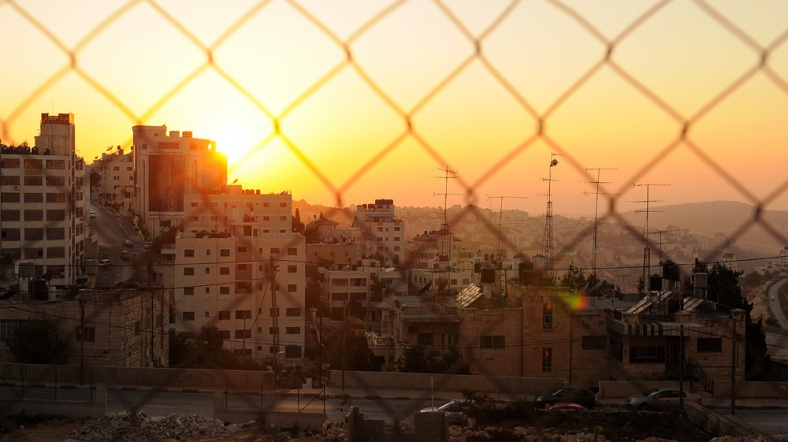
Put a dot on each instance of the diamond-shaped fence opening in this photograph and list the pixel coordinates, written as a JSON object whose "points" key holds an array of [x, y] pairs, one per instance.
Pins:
{"points": [[467, 58]]}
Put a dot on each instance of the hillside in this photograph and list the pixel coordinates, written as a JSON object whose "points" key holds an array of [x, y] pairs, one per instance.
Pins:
{"points": [[723, 217]]}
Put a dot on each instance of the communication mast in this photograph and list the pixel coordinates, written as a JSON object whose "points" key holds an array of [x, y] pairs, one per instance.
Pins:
{"points": [[547, 240], [500, 224], [446, 245], [646, 249], [596, 211]]}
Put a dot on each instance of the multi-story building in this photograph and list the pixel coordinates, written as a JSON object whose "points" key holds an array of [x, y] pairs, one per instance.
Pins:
{"points": [[44, 202], [116, 171], [385, 233], [168, 166], [238, 267], [782, 259], [123, 328]]}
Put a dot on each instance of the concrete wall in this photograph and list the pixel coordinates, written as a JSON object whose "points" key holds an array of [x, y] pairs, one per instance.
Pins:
{"points": [[140, 377], [744, 390], [444, 382], [281, 419], [714, 423], [71, 409]]}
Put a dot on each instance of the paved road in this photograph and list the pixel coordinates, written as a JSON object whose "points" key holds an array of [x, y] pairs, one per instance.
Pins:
{"points": [[774, 302]]}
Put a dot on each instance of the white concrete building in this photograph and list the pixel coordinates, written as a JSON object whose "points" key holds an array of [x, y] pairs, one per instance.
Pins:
{"points": [[222, 276], [44, 201], [116, 170], [386, 233], [168, 166]]}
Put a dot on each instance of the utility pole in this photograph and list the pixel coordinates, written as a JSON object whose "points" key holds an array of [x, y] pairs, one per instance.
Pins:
{"points": [[81, 338], [596, 194], [274, 319], [547, 240], [646, 250]]}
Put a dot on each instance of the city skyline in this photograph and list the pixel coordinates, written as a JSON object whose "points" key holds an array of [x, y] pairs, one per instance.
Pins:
{"points": [[343, 105]]}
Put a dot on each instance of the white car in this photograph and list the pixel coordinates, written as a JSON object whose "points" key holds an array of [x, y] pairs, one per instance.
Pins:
{"points": [[128, 243], [92, 214], [452, 410]]}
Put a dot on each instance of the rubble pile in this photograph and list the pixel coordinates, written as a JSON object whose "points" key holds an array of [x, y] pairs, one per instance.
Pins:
{"points": [[139, 427]]}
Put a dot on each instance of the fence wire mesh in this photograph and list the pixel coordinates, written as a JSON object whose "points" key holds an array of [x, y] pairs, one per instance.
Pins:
{"points": [[473, 49]]}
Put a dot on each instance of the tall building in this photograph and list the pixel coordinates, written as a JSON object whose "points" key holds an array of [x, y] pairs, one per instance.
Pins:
{"points": [[168, 166], [239, 267], [43, 204], [116, 172], [386, 233]]}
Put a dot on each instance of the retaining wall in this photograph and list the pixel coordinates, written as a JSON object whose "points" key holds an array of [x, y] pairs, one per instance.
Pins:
{"points": [[282, 419], [71, 409]]}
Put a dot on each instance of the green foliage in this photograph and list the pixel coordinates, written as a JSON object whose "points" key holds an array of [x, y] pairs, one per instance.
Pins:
{"points": [[357, 354], [38, 342], [206, 350], [298, 225], [573, 278], [416, 360], [181, 349]]}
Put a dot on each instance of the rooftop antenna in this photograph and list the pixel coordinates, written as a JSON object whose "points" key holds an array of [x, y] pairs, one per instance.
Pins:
{"points": [[660, 232], [446, 246], [596, 210], [500, 224], [646, 250], [547, 241]]}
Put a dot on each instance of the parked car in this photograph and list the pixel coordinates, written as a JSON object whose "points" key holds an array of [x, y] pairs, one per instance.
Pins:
{"points": [[660, 399], [104, 262], [453, 410], [146, 245], [92, 214], [125, 255], [128, 242], [571, 394]]}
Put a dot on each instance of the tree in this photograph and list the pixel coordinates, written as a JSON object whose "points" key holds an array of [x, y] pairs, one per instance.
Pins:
{"points": [[573, 278], [723, 286], [181, 349], [298, 225], [416, 360], [38, 342]]}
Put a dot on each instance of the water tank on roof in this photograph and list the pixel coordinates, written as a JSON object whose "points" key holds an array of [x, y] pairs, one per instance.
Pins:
{"points": [[671, 271], [488, 276], [655, 283], [701, 280]]}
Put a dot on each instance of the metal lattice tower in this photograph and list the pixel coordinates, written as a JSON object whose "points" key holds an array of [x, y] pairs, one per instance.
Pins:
{"points": [[646, 249], [500, 225], [547, 240], [596, 194]]}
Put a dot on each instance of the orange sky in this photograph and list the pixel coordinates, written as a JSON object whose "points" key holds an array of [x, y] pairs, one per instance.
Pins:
{"points": [[344, 78]]}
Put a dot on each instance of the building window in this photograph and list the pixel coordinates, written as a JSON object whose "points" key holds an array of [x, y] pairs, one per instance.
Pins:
{"points": [[272, 313], [224, 252], [33, 181], [594, 342], [243, 314], [188, 271], [89, 334], [188, 316], [188, 253], [292, 351], [547, 359], [547, 316], [292, 330], [241, 334], [292, 269], [31, 198], [492, 342], [34, 215], [646, 355], [709, 345], [292, 251], [282, 204], [56, 215], [293, 311], [188, 291], [224, 315], [224, 270], [224, 290], [425, 339], [224, 334], [274, 250], [292, 288]]}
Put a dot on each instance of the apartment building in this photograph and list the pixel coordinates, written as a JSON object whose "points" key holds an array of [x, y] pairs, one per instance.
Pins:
{"points": [[167, 166], [44, 203], [238, 267], [116, 172], [385, 233]]}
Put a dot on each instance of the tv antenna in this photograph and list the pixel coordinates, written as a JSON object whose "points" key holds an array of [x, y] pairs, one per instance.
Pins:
{"points": [[646, 250], [547, 241], [660, 232], [596, 194], [446, 246]]}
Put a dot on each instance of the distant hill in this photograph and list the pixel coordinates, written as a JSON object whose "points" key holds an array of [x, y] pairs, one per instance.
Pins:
{"points": [[725, 217]]}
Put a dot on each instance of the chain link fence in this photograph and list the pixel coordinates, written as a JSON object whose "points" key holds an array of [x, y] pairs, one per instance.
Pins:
{"points": [[421, 70]]}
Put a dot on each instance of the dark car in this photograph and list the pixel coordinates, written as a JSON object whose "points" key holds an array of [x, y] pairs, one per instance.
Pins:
{"points": [[576, 395], [453, 410]]}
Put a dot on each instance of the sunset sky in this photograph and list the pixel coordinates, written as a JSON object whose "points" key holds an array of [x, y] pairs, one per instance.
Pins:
{"points": [[342, 79]]}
